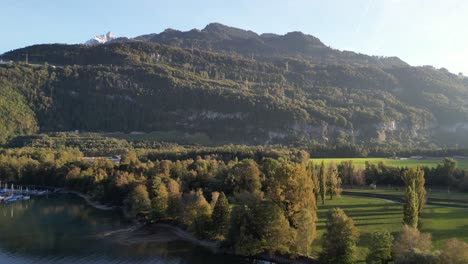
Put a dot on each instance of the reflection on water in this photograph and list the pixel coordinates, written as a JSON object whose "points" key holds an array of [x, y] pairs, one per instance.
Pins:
{"points": [[63, 229]]}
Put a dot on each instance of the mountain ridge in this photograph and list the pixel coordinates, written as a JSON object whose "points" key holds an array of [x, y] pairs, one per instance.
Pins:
{"points": [[219, 37], [137, 85]]}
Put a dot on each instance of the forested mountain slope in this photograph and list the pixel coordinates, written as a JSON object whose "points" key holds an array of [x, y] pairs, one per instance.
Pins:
{"points": [[234, 86]]}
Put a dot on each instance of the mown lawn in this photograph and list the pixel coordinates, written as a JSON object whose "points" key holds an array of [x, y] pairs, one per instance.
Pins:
{"points": [[439, 194], [370, 215], [360, 162]]}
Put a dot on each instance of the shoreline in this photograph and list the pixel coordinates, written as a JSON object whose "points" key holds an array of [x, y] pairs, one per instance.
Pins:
{"points": [[88, 200], [178, 232], [148, 232]]}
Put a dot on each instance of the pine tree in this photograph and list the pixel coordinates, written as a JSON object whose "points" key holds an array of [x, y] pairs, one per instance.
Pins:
{"points": [[339, 240], [221, 217]]}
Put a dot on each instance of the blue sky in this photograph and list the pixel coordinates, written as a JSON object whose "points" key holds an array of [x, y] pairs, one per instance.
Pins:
{"points": [[421, 32]]}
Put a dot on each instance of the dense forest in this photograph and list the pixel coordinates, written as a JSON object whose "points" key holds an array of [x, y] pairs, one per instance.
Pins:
{"points": [[232, 86], [256, 202]]}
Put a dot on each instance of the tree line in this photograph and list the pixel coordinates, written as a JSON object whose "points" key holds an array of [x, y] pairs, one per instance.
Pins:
{"points": [[266, 206]]}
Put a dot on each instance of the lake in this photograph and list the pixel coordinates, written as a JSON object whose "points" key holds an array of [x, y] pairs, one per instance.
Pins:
{"points": [[64, 229]]}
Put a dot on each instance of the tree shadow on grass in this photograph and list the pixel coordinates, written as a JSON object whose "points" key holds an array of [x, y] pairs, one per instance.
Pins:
{"points": [[443, 234], [460, 214], [350, 206], [363, 213]]}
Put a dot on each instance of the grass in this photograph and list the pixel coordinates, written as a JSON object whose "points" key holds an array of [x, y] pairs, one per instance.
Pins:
{"points": [[371, 215], [361, 162], [438, 194]]}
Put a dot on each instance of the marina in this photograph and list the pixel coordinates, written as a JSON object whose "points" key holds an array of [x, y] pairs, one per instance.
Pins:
{"points": [[10, 195]]}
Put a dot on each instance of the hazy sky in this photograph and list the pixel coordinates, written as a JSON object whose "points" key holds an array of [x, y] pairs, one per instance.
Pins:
{"points": [[421, 32]]}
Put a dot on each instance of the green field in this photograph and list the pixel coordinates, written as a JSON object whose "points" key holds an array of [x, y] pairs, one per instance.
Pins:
{"points": [[457, 196], [360, 162], [371, 214]]}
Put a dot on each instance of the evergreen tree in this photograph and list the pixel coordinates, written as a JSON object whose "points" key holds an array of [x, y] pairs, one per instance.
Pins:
{"points": [[221, 217], [339, 240]]}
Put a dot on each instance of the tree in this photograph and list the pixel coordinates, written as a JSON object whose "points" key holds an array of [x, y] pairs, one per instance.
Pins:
{"points": [[244, 176], [159, 202], [138, 200], [410, 208], [260, 228], [312, 174], [292, 190], [411, 241], [269, 167], [174, 203], [221, 217], [333, 181], [305, 232], [340, 238], [420, 181], [380, 248], [447, 169], [323, 182], [347, 171], [454, 252], [196, 213]]}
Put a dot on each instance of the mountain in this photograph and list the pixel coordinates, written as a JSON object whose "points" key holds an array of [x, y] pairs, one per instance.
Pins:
{"points": [[218, 37], [235, 86], [100, 39]]}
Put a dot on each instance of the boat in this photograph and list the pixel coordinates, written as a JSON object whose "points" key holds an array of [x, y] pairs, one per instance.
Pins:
{"points": [[10, 199]]}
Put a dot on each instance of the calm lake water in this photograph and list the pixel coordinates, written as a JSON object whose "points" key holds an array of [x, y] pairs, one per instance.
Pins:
{"points": [[64, 229]]}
